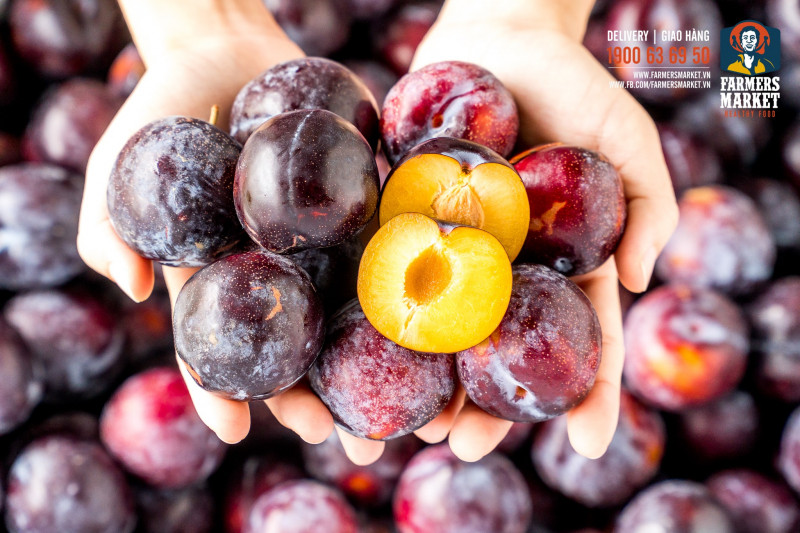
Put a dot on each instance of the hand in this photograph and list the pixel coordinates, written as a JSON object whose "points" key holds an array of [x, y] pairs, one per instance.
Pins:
{"points": [[563, 94]]}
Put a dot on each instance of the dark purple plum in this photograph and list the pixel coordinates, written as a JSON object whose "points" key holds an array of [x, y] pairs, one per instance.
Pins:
{"points": [[675, 506], [690, 161], [790, 77], [670, 18], [632, 459], [788, 461], [319, 27], [301, 506], [542, 359], [374, 388], [438, 492], [61, 38], [306, 83], [21, 386], [151, 427], [170, 194], [684, 347], [305, 179], [67, 485], [722, 242], [578, 209], [449, 99], [68, 122], [8, 78], [397, 35], [126, 71], [248, 326], [378, 79], [775, 320], [74, 336], [189, 510], [370, 485], [779, 204], [38, 225], [791, 152], [333, 271], [757, 503], [10, 149], [257, 475], [725, 428], [785, 14], [738, 142]]}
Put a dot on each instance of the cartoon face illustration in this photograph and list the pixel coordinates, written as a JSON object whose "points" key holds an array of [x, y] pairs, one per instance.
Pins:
{"points": [[749, 39]]}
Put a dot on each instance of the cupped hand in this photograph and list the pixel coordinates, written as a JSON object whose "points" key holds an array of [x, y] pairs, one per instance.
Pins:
{"points": [[563, 94]]}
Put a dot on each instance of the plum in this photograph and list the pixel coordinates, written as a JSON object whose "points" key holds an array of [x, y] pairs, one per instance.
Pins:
{"points": [[632, 458], [151, 427], [189, 510], [788, 460], [333, 271], [577, 206], [74, 336], [170, 194], [725, 428], [38, 225], [256, 476], [449, 99], [757, 504], [62, 38], [319, 27], [126, 71], [438, 492], [397, 35], [248, 326], [779, 204], [775, 319], [722, 242], [67, 485], [542, 359], [10, 149], [370, 485], [306, 83], [785, 14], [791, 152], [690, 161], [374, 388], [378, 79], [21, 386], [68, 122], [684, 347], [301, 506], [305, 179]]}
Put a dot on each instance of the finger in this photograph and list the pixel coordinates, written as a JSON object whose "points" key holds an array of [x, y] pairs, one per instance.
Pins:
{"points": [[437, 429], [591, 425], [475, 432], [300, 410], [360, 451], [230, 420]]}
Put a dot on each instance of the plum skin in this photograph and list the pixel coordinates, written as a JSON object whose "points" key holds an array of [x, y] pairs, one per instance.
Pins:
{"points": [[449, 99], [375, 388], [170, 192], [248, 326], [542, 359], [578, 210], [305, 179], [307, 83]]}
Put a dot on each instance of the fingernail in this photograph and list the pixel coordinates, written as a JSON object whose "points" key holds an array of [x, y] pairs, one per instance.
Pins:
{"points": [[648, 263], [120, 274]]}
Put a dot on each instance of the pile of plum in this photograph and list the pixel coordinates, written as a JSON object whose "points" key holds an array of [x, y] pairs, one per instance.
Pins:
{"points": [[386, 254]]}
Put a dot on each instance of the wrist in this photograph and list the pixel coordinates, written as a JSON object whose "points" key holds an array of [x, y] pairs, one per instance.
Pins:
{"points": [[160, 27], [568, 17]]}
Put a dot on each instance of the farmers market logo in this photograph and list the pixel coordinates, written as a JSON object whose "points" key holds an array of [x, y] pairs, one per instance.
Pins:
{"points": [[750, 49]]}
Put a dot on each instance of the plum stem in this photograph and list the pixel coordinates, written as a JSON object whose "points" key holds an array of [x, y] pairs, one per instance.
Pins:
{"points": [[212, 119]]}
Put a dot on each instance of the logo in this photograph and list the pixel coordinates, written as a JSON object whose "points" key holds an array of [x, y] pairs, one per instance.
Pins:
{"points": [[750, 48]]}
